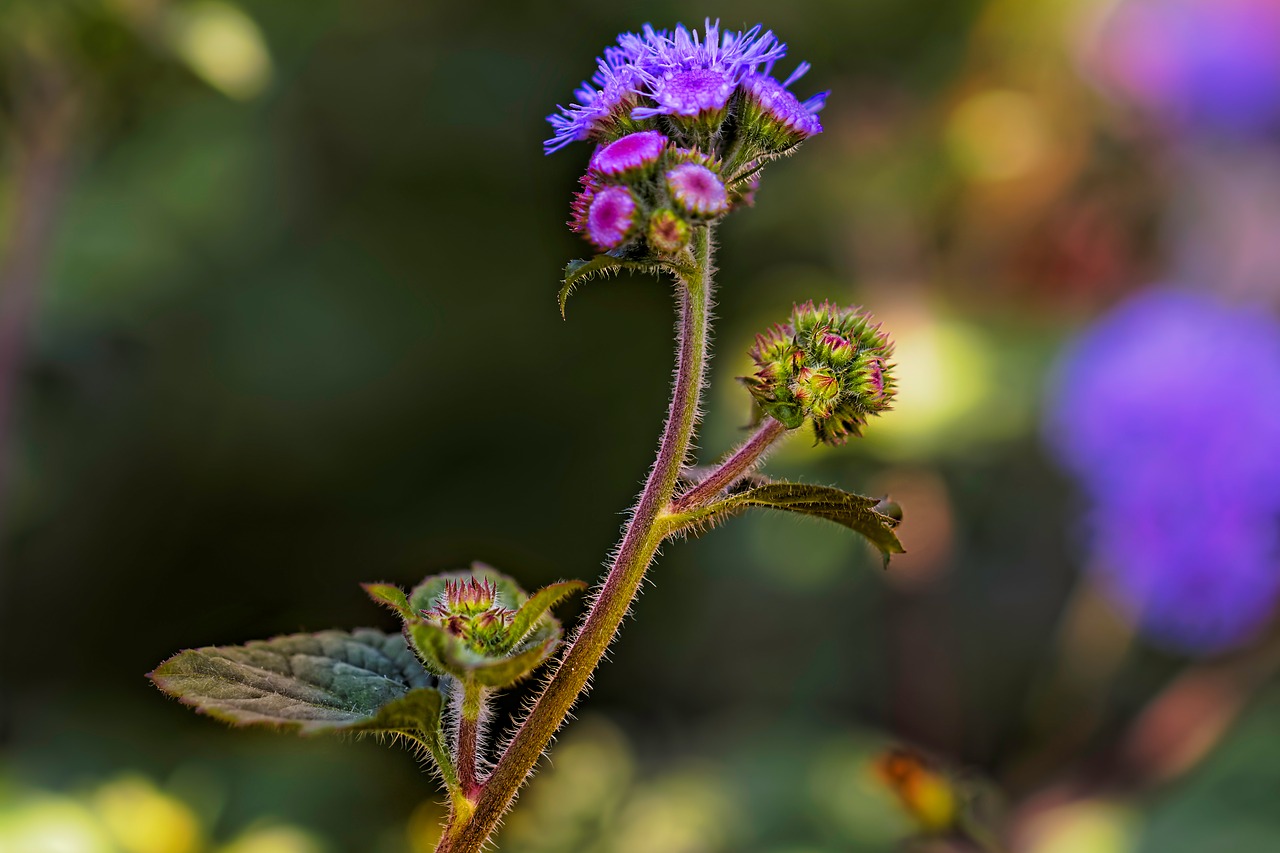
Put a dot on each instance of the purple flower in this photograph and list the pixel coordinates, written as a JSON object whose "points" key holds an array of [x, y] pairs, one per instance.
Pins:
{"points": [[694, 75], [610, 217], [1168, 413], [1195, 63], [778, 107], [631, 153], [656, 73], [697, 189]]}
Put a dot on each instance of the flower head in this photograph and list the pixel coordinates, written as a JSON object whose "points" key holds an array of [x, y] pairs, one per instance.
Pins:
{"points": [[630, 154], [829, 364], [775, 119], [1168, 413], [697, 190], [693, 79], [606, 215]]}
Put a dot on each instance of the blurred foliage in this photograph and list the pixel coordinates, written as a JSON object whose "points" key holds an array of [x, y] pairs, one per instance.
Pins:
{"points": [[299, 326]]}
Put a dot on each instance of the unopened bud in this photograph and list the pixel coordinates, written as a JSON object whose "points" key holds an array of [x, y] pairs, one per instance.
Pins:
{"points": [[829, 364]]}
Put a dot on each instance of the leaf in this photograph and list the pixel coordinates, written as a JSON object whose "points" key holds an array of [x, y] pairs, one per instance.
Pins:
{"points": [[856, 512], [578, 271], [390, 596], [537, 606], [333, 681]]}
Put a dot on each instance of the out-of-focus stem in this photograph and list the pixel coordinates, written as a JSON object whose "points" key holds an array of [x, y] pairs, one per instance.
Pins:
{"points": [[44, 125]]}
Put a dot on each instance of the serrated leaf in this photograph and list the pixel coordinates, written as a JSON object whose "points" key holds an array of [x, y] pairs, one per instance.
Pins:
{"points": [[856, 512], [332, 681], [538, 604], [390, 596], [577, 271]]}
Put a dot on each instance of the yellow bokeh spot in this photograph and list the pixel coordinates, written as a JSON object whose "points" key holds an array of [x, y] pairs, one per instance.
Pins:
{"points": [[998, 135], [51, 825], [945, 372], [141, 819], [274, 839], [223, 46], [1094, 825]]}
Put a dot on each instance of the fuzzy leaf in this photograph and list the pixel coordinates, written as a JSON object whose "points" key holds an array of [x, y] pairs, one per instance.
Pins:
{"points": [[578, 271], [856, 512], [389, 596], [539, 603], [332, 681], [503, 672]]}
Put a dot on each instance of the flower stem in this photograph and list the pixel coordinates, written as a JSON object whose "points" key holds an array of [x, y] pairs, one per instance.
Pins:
{"points": [[640, 541], [466, 749], [743, 460]]}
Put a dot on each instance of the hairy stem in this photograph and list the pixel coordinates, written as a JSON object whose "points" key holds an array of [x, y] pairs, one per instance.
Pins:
{"points": [[467, 749], [640, 541], [739, 464]]}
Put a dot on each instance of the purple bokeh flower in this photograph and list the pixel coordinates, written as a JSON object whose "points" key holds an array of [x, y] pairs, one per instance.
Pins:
{"points": [[1195, 64], [1168, 413]]}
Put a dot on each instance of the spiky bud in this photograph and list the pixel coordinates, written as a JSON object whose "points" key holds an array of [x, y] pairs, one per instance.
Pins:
{"points": [[478, 625], [828, 364], [668, 233]]}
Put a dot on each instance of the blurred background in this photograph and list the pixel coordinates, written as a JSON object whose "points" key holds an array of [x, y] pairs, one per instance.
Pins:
{"points": [[277, 315]]}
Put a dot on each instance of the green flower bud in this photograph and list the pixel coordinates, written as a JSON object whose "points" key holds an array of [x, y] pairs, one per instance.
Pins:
{"points": [[829, 364], [478, 626], [668, 233]]}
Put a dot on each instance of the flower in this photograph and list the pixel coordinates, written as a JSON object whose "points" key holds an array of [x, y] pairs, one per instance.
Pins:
{"points": [[774, 117], [631, 153], [697, 190], [1167, 412], [606, 215], [692, 79], [829, 364]]}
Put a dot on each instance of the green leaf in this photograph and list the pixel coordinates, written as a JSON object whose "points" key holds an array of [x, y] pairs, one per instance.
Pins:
{"points": [[503, 672], [450, 655], [537, 606], [390, 596], [578, 271], [856, 512], [333, 681]]}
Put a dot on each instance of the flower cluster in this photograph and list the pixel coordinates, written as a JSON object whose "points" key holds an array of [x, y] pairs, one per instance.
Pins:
{"points": [[468, 609], [1168, 413], [830, 364], [683, 123]]}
